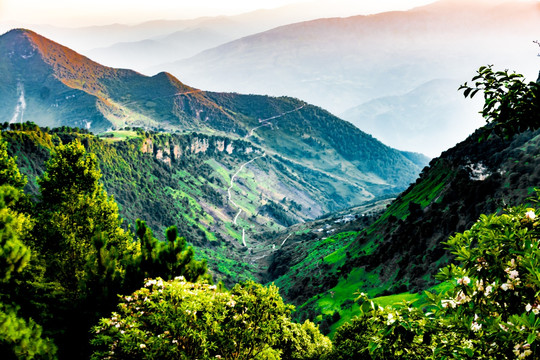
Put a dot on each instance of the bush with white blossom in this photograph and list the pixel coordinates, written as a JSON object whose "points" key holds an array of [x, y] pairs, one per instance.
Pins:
{"points": [[492, 310], [182, 320]]}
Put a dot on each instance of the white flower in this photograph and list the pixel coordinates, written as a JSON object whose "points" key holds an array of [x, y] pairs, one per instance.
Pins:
{"points": [[488, 291], [530, 215], [513, 263], [464, 281], [514, 275], [142, 346], [447, 303], [391, 319], [212, 287], [476, 326], [505, 286], [480, 285], [528, 307]]}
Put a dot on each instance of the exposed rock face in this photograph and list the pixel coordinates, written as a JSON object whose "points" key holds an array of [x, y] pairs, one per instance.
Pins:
{"points": [[220, 145], [148, 146], [177, 151], [199, 145]]}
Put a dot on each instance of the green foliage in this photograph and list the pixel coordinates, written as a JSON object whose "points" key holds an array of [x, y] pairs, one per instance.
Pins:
{"points": [[168, 259], [491, 311], [21, 339], [74, 209], [14, 255], [180, 320], [511, 105], [304, 341], [9, 172], [398, 332], [498, 282]]}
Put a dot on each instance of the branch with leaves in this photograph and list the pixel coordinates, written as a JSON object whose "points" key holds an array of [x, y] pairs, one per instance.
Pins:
{"points": [[511, 105]]}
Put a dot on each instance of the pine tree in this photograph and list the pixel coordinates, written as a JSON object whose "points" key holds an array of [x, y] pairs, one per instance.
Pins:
{"points": [[74, 209], [9, 172]]}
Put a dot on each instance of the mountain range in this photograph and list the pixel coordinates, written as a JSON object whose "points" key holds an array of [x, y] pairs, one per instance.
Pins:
{"points": [[244, 176], [341, 63], [286, 160]]}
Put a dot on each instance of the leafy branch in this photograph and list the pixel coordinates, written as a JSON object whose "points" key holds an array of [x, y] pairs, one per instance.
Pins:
{"points": [[511, 105]]}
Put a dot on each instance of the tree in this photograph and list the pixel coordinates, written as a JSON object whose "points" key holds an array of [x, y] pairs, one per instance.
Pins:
{"points": [[496, 296], [74, 209], [181, 320], [14, 254], [19, 338], [491, 310], [9, 172], [303, 342], [511, 105], [166, 259]]}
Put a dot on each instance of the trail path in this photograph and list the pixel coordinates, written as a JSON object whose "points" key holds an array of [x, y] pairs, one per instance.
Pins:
{"points": [[263, 122], [268, 121], [232, 184], [164, 97]]}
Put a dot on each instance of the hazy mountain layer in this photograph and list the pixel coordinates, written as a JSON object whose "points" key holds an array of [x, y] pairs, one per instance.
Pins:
{"points": [[281, 161], [51, 85], [341, 63], [435, 107]]}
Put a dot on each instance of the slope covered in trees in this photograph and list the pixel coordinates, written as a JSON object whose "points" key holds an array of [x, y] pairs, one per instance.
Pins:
{"points": [[65, 258], [403, 250]]}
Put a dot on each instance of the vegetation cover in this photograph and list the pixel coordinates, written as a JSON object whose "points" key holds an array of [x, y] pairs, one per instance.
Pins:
{"points": [[65, 258], [66, 255]]}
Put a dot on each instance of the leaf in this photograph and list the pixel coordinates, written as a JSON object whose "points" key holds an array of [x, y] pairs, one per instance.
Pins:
{"points": [[531, 338]]}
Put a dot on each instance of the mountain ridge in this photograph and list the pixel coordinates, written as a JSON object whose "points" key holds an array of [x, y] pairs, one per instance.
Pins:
{"points": [[115, 98]]}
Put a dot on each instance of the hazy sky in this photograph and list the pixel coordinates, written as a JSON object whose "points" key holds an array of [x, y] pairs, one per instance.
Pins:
{"points": [[87, 12]]}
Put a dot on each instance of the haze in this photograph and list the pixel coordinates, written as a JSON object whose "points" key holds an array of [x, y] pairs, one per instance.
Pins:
{"points": [[77, 13], [393, 75]]}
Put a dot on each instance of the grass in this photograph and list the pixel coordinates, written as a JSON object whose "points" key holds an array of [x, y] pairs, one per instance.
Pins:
{"points": [[120, 135]]}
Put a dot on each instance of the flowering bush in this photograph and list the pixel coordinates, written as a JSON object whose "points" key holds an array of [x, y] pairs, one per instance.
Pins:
{"points": [[181, 320], [498, 283], [491, 311]]}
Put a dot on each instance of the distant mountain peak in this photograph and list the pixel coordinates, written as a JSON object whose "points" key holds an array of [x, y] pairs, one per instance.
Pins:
{"points": [[68, 66]]}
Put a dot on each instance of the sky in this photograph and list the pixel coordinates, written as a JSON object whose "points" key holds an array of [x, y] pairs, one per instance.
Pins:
{"points": [[100, 12]]}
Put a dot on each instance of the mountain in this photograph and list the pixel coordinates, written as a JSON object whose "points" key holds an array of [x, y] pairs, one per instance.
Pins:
{"points": [[150, 43], [285, 160], [340, 63], [143, 54], [416, 119], [321, 266]]}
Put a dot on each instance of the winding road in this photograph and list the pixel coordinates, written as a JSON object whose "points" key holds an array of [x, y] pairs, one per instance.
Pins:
{"points": [[262, 122], [232, 184]]}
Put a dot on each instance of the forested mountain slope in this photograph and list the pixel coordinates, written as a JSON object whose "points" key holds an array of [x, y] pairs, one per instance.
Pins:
{"points": [[403, 249]]}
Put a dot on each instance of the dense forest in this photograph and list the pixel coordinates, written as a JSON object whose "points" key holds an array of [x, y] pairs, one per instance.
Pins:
{"points": [[76, 283]]}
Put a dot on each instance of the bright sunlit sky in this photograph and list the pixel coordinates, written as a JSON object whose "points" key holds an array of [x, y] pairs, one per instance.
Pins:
{"points": [[99, 12]]}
